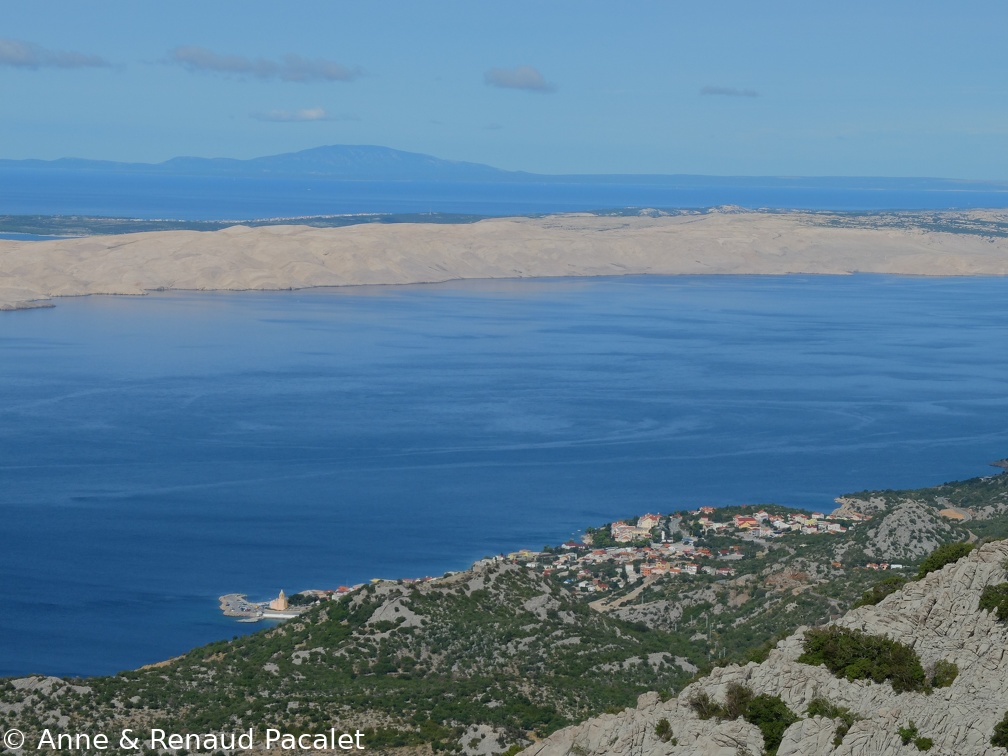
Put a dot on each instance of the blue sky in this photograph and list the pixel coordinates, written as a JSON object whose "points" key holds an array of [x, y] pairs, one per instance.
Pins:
{"points": [[552, 86]]}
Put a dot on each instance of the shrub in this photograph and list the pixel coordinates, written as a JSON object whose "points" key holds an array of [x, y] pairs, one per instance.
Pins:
{"points": [[704, 706], [855, 655], [769, 713], [880, 590], [995, 599], [908, 733], [773, 717], [664, 731], [823, 707], [737, 700], [1000, 736], [945, 554], [945, 672]]}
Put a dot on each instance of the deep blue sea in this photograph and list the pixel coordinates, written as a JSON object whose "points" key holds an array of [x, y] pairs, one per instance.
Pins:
{"points": [[144, 195], [157, 452]]}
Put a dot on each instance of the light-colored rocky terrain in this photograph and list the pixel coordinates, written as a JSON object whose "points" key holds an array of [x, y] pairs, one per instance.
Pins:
{"points": [[937, 616], [291, 257]]}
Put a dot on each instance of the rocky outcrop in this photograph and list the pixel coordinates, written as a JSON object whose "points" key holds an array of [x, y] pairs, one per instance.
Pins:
{"points": [[634, 732], [937, 616], [902, 530], [812, 735], [908, 532]]}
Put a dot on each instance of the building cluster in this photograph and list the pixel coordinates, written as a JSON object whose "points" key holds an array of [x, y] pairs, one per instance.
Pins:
{"points": [[643, 551], [595, 570], [763, 524], [624, 532], [883, 566]]}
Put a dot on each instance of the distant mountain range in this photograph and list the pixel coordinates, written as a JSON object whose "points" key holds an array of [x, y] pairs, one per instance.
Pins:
{"points": [[349, 180], [372, 162], [354, 162]]}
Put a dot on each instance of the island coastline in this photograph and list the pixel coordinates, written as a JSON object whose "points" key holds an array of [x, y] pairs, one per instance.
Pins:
{"points": [[289, 257]]}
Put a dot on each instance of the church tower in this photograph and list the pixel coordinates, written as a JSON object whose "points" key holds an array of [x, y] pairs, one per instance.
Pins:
{"points": [[279, 604]]}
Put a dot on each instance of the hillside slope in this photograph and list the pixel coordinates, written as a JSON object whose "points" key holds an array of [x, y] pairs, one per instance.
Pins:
{"points": [[489, 659], [782, 582], [938, 617], [495, 651]]}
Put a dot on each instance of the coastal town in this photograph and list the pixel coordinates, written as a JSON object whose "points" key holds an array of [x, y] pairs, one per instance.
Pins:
{"points": [[705, 541], [715, 542]]}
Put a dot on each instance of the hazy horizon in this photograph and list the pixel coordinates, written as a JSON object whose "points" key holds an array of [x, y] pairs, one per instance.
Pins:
{"points": [[724, 89], [624, 174]]}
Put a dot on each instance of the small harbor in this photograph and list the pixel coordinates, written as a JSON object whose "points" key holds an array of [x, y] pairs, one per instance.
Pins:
{"points": [[237, 605]]}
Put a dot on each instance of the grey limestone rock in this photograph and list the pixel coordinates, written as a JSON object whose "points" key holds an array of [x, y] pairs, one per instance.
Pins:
{"points": [[634, 732], [813, 735], [938, 617]]}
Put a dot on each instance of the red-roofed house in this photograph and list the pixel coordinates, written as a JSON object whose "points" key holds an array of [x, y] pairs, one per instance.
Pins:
{"points": [[744, 522]]}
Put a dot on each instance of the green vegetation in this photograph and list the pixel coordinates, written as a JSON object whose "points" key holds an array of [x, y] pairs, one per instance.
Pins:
{"points": [[945, 673], [664, 732], [769, 713], [737, 700], [1000, 736], [975, 495], [823, 707], [736, 703], [413, 665], [945, 554], [704, 706], [88, 225], [774, 590], [933, 221], [855, 655], [601, 537], [947, 222], [443, 655], [782, 583], [910, 732], [302, 599], [995, 599], [773, 717], [880, 590]]}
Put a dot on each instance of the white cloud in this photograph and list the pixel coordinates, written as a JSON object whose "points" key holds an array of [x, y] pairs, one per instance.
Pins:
{"points": [[522, 77], [14, 52], [728, 91], [302, 115], [291, 68]]}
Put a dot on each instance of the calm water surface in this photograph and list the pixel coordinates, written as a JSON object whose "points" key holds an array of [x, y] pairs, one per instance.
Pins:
{"points": [[157, 452], [146, 195]]}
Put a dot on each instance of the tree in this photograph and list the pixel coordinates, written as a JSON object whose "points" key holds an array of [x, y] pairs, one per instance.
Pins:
{"points": [[945, 554]]}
